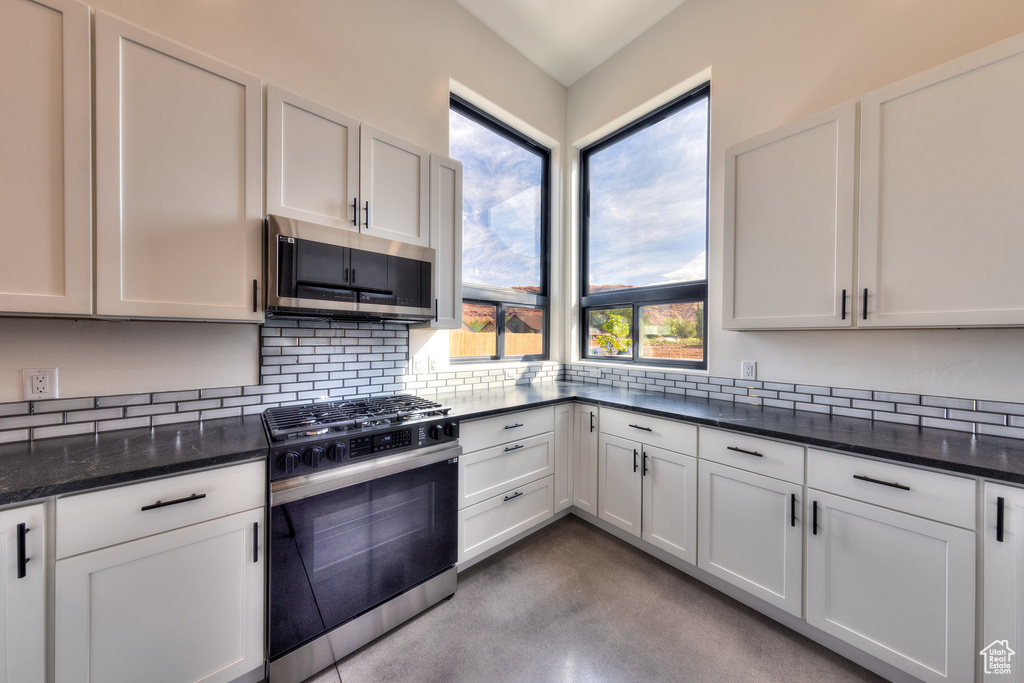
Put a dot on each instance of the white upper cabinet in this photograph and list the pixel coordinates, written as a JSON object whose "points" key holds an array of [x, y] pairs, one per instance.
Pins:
{"points": [[45, 143], [941, 202], [446, 239], [393, 187], [178, 180], [789, 221], [312, 161]]}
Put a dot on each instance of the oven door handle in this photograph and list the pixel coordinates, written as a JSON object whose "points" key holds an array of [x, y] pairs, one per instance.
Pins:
{"points": [[303, 486]]}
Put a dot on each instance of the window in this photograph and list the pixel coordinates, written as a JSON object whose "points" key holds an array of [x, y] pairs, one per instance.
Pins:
{"points": [[644, 220], [505, 238]]}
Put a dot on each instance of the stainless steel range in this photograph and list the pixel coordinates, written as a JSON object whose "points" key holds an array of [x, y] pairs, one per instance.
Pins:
{"points": [[363, 528]]}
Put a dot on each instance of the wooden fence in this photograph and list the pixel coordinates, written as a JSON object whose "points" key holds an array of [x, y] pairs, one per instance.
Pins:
{"points": [[463, 344]]}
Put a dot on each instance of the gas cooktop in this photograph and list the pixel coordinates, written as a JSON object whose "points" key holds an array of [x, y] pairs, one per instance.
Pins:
{"points": [[316, 436]]}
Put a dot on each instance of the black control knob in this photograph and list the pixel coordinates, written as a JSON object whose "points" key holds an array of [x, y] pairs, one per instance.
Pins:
{"points": [[337, 452], [314, 456], [434, 432], [288, 462], [451, 429]]}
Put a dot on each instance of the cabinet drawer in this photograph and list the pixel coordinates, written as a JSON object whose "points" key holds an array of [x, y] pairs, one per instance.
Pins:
{"points": [[771, 458], [495, 520], [95, 520], [655, 431], [491, 431], [490, 471], [933, 495]]}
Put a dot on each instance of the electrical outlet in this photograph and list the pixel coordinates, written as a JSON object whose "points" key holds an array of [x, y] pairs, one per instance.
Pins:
{"points": [[433, 364], [595, 373], [419, 365], [40, 383], [748, 369], [510, 373]]}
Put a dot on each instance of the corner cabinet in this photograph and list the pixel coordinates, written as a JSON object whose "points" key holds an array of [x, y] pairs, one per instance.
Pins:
{"points": [[891, 555], [1003, 597], [23, 624], [178, 180], [789, 224], [585, 457], [644, 488], [163, 576], [446, 240], [45, 144]]}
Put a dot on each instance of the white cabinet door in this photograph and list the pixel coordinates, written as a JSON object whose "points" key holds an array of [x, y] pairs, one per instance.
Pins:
{"points": [[1003, 602], [670, 501], [896, 586], [181, 606], [563, 456], [941, 203], [393, 187], [789, 207], [750, 533], [446, 240], [45, 145], [312, 161], [178, 180], [584, 456], [23, 621], [619, 483]]}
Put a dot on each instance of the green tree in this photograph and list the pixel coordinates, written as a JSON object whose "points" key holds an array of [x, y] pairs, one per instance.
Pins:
{"points": [[616, 333]]}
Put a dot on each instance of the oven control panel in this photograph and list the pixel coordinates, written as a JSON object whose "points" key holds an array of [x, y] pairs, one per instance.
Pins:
{"points": [[316, 453]]}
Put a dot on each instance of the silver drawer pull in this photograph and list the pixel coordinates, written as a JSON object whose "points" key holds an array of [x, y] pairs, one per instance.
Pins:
{"points": [[162, 504], [514, 495], [743, 450], [513, 448], [883, 483], [646, 429], [513, 426]]}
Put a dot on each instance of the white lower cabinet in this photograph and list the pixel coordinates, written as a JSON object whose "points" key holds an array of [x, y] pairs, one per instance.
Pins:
{"points": [[888, 581], [749, 533], [563, 456], [23, 619], [584, 458], [182, 605], [1003, 595], [512, 475], [492, 522], [646, 490]]}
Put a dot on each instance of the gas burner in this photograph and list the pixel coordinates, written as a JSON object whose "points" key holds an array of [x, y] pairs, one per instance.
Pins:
{"points": [[312, 419]]}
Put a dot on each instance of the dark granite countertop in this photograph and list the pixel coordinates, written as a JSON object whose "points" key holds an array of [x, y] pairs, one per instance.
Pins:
{"points": [[48, 467], [66, 465], [983, 456]]}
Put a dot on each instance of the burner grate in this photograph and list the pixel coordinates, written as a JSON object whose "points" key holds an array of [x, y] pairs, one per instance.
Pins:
{"points": [[288, 422]]}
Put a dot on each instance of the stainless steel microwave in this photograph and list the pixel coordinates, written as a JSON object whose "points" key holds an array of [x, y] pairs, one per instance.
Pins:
{"points": [[324, 272]]}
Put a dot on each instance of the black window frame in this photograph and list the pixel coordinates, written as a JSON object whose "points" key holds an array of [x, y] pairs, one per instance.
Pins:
{"points": [[500, 297], [637, 297]]}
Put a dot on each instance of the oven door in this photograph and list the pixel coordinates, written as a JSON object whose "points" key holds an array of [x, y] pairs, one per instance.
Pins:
{"points": [[340, 551]]}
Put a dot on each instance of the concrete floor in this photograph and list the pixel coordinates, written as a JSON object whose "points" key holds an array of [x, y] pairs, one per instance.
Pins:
{"points": [[572, 603]]}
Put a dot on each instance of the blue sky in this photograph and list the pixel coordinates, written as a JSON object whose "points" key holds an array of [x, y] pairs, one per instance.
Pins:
{"points": [[648, 209], [501, 206]]}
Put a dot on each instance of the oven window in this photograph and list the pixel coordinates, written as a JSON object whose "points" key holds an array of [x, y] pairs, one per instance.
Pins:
{"points": [[338, 554]]}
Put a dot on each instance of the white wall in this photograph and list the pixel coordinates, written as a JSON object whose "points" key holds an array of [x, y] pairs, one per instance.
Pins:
{"points": [[773, 63], [386, 62]]}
